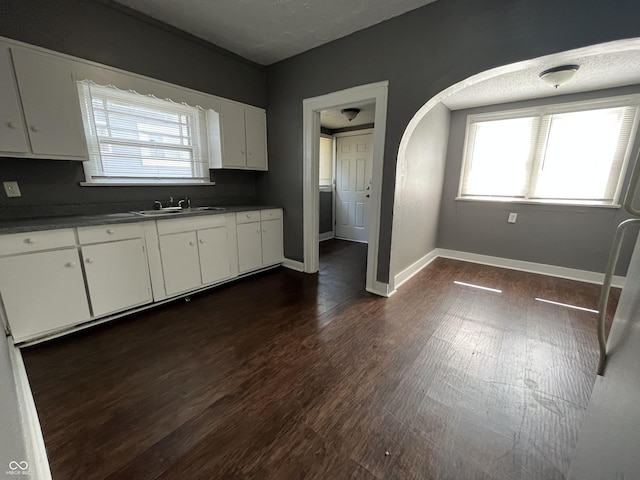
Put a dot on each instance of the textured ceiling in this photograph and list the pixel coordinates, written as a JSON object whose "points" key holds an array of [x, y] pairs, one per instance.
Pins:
{"points": [[598, 70], [267, 31]]}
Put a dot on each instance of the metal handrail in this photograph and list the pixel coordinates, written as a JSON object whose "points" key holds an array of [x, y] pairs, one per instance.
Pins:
{"points": [[606, 287]]}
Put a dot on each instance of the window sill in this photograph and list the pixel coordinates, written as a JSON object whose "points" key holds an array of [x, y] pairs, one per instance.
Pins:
{"points": [[536, 202], [145, 184]]}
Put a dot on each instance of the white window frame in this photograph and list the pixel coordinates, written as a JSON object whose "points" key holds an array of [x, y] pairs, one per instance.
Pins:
{"points": [[201, 150], [538, 154]]}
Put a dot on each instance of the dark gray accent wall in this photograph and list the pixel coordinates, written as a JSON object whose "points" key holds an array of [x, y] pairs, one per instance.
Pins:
{"points": [[566, 236], [326, 212], [105, 32], [420, 54]]}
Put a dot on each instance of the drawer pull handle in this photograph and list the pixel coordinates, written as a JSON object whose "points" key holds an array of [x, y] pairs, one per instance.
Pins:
{"points": [[89, 260], [248, 215], [71, 264], [30, 240], [34, 128], [111, 231]]}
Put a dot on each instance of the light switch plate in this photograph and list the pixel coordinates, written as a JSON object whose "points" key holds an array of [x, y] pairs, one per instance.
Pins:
{"points": [[512, 217], [12, 189]]}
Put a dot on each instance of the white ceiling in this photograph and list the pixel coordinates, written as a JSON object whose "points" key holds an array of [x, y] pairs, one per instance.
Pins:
{"points": [[267, 31], [333, 119], [598, 70]]}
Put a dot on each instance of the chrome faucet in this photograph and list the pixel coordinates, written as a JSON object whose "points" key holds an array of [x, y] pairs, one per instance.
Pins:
{"points": [[157, 205], [171, 201], [185, 200]]}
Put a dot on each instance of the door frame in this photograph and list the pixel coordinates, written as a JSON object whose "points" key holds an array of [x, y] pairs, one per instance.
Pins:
{"points": [[376, 93]]}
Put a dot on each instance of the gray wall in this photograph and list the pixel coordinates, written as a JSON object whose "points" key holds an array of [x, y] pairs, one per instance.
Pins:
{"points": [[574, 237], [110, 34], [420, 176], [326, 212], [12, 447], [420, 54]]}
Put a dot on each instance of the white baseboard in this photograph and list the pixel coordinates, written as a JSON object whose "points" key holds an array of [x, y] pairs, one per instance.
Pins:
{"points": [[326, 236], [381, 289], [531, 267], [414, 268], [293, 265], [34, 441]]}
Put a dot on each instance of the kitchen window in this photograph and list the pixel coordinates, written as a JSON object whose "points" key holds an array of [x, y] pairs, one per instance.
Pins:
{"points": [[139, 139], [567, 153]]}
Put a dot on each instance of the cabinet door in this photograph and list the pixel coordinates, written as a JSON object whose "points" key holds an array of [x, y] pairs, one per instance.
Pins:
{"points": [[249, 247], [272, 241], [256, 126], [214, 254], [43, 291], [233, 136], [13, 137], [50, 101], [117, 275], [180, 262]]}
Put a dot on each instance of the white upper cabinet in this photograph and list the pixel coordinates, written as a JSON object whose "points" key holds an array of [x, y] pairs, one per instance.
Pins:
{"points": [[244, 137], [50, 103], [13, 138], [256, 128]]}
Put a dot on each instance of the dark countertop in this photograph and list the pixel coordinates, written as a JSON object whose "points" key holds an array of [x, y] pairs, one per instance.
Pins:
{"points": [[21, 225]]}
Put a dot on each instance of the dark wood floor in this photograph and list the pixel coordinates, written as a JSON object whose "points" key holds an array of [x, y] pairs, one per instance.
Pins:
{"points": [[292, 376]]}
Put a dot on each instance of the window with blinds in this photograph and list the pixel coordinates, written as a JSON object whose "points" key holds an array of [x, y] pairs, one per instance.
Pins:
{"points": [[138, 139], [570, 153]]}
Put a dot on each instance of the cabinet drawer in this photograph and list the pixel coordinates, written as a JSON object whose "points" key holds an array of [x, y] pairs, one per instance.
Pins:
{"points": [[189, 224], [248, 217], [36, 241], [270, 214], [109, 233]]}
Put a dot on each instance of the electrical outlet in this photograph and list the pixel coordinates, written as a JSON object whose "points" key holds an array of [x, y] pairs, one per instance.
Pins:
{"points": [[12, 189], [512, 217]]}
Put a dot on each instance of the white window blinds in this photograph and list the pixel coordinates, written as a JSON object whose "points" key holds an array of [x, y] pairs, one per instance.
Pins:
{"points": [[142, 139], [572, 153]]}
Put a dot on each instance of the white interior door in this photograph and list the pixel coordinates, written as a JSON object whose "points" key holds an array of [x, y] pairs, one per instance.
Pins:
{"points": [[353, 186]]}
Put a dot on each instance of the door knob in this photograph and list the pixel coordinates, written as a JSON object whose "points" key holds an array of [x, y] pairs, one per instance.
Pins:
{"points": [[367, 195]]}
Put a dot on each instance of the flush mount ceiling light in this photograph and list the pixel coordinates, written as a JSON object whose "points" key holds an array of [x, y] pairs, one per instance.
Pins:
{"points": [[350, 113], [557, 76]]}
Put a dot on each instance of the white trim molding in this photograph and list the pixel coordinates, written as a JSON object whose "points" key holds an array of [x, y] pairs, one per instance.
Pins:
{"points": [[414, 268], [34, 441], [374, 93], [293, 265], [531, 267], [381, 289], [326, 236]]}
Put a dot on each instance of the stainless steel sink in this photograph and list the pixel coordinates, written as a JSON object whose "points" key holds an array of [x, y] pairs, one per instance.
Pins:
{"points": [[175, 211]]}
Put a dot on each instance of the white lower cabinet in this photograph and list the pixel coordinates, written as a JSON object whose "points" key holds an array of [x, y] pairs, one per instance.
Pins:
{"points": [[43, 292], [249, 247], [259, 239], [180, 262], [213, 248], [194, 252], [117, 275], [53, 279], [272, 241]]}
